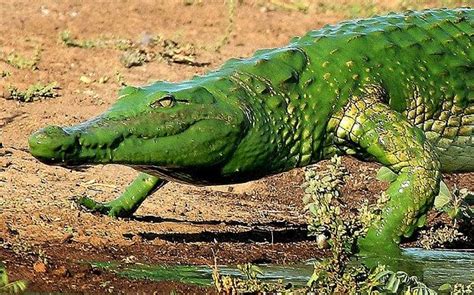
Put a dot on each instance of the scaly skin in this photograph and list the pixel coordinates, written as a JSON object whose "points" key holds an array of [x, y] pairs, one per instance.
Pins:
{"points": [[397, 89]]}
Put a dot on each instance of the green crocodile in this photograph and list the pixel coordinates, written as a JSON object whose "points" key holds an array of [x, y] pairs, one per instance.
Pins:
{"points": [[397, 89]]}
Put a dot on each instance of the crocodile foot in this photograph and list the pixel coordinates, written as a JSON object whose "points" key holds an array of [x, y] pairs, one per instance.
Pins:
{"points": [[111, 209], [127, 203]]}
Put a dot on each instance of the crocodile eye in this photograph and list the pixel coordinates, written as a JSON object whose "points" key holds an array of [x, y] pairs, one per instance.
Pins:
{"points": [[166, 101]]}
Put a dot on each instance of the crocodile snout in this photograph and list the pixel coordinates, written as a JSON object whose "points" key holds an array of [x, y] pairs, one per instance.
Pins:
{"points": [[49, 143]]}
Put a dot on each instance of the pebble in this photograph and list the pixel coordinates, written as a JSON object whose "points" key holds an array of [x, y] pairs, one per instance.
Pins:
{"points": [[4, 163], [39, 267], [61, 271], [67, 238]]}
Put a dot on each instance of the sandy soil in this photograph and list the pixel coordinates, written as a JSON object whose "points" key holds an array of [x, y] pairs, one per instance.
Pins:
{"points": [[259, 221]]}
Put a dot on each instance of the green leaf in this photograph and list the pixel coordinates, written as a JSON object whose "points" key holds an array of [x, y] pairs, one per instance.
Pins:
{"points": [[14, 287], [444, 190], [385, 174], [421, 221], [393, 284], [445, 288], [256, 270], [441, 201], [444, 196], [3, 277], [382, 274], [453, 213]]}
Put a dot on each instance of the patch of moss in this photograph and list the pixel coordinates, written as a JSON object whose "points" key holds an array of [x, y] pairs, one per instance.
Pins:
{"points": [[136, 57], [21, 62], [34, 92]]}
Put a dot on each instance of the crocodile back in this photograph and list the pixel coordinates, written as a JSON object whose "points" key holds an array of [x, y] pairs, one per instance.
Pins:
{"points": [[422, 61]]}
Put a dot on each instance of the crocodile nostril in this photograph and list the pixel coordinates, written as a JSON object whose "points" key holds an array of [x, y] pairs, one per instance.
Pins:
{"points": [[47, 134], [54, 131]]}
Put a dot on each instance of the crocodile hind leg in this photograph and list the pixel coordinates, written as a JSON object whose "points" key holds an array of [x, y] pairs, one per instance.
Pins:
{"points": [[129, 201], [366, 127]]}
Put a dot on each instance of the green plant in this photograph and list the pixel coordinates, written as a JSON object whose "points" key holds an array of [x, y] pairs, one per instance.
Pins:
{"points": [[436, 237], [324, 206], [231, 5], [5, 74], [458, 204], [249, 270], [10, 287], [337, 274], [292, 5], [249, 284], [20, 62], [34, 92], [174, 52], [135, 54], [67, 39], [383, 281], [458, 289], [136, 57]]}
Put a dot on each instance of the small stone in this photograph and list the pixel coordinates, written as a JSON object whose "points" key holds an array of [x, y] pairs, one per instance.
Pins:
{"points": [[322, 241], [44, 10], [96, 242], [104, 79], [67, 238], [137, 239], [4, 163], [81, 232], [85, 80], [7, 95], [39, 267], [61, 271]]}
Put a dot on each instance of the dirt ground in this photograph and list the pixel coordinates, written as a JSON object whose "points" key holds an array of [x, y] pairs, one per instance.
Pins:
{"points": [[260, 221]]}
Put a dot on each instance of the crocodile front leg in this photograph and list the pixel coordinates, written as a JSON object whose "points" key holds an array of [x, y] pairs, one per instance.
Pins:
{"points": [[129, 201], [368, 127]]}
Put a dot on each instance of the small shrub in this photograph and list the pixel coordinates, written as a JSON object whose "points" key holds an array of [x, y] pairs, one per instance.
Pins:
{"points": [[10, 287], [35, 92], [21, 62]]}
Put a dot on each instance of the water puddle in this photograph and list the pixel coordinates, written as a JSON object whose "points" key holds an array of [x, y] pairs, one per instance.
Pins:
{"points": [[433, 267], [436, 267]]}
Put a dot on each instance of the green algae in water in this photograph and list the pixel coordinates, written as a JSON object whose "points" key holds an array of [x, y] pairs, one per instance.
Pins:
{"points": [[202, 275], [186, 274], [433, 267]]}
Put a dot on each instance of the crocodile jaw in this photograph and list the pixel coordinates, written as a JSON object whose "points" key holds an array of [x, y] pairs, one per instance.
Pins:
{"points": [[201, 143]]}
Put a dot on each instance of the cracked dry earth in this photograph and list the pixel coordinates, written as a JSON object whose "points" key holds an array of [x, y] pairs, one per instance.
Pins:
{"points": [[260, 221]]}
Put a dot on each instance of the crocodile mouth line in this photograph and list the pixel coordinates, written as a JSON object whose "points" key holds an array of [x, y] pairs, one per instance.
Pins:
{"points": [[104, 152], [83, 152]]}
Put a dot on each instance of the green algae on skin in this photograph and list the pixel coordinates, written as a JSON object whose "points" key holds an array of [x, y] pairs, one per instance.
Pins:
{"points": [[186, 274], [396, 89]]}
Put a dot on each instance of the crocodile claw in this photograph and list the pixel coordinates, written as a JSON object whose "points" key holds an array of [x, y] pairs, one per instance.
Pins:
{"points": [[108, 208]]}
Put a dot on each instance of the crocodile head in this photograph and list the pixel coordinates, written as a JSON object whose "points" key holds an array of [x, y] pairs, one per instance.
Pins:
{"points": [[176, 131]]}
